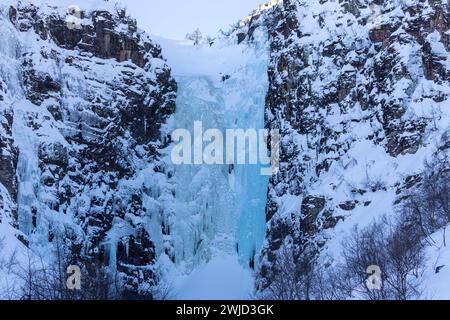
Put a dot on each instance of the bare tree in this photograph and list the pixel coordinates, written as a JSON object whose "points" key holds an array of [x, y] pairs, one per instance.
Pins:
{"points": [[395, 248], [196, 36], [210, 40], [428, 204], [405, 251], [294, 275], [44, 274], [285, 281], [8, 263], [364, 248], [330, 284]]}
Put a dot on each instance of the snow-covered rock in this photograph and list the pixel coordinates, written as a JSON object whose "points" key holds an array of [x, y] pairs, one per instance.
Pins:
{"points": [[83, 106], [360, 92]]}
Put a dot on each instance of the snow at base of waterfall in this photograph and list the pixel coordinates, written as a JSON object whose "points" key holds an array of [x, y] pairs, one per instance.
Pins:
{"points": [[222, 278]]}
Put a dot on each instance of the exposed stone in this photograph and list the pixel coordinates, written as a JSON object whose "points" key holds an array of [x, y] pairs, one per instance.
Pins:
{"points": [[348, 205], [101, 128], [53, 153], [8, 155]]}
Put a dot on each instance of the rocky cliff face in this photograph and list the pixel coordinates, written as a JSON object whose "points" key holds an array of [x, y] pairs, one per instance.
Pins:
{"points": [[83, 106], [359, 90], [8, 159]]}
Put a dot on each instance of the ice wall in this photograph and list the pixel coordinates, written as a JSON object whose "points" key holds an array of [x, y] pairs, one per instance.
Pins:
{"points": [[10, 51], [219, 208]]}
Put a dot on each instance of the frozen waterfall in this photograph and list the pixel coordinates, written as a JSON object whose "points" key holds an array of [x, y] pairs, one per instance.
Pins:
{"points": [[220, 209], [27, 166]]}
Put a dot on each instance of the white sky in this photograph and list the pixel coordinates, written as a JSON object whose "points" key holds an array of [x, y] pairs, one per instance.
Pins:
{"points": [[172, 19]]}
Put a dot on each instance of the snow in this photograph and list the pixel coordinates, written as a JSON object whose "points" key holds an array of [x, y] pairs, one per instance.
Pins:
{"points": [[64, 5], [222, 278], [436, 284], [185, 59], [11, 250]]}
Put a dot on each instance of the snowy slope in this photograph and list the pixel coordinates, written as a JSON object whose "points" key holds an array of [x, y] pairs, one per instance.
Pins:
{"points": [[437, 272], [221, 278]]}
